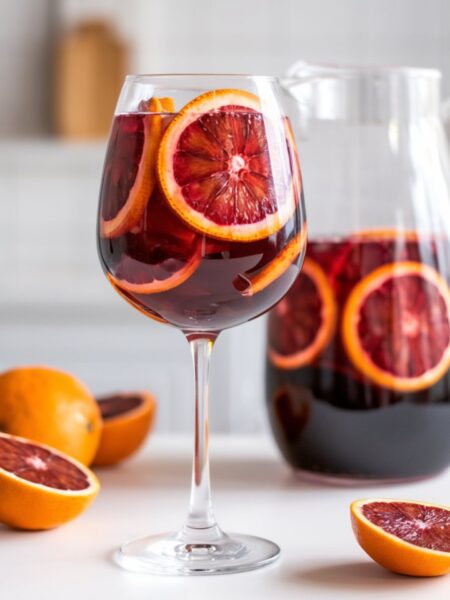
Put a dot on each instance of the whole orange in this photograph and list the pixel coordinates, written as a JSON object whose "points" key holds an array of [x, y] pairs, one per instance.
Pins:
{"points": [[51, 407]]}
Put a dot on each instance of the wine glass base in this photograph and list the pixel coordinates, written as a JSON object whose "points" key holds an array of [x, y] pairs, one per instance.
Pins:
{"points": [[173, 555]]}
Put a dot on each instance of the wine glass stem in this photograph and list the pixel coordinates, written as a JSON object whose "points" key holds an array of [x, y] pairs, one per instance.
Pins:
{"points": [[200, 514]]}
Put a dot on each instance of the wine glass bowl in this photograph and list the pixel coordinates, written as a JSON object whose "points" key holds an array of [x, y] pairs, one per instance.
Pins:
{"points": [[201, 226]]}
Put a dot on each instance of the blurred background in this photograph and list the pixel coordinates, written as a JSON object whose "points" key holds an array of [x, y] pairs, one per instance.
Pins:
{"points": [[61, 66]]}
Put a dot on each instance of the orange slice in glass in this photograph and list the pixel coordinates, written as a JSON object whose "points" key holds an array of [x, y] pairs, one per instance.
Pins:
{"points": [[215, 170], [396, 326], [161, 253], [249, 285], [136, 193], [303, 323], [407, 537]]}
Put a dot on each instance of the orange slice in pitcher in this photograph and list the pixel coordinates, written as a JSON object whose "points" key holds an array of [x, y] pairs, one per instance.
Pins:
{"points": [[396, 326], [215, 170], [303, 323], [249, 284], [126, 201], [407, 537], [160, 254]]}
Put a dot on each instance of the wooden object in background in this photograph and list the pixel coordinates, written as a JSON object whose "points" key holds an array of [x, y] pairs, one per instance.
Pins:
{"points": [[90, 67]]}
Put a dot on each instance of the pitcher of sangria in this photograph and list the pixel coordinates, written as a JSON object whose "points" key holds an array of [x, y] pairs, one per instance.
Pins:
{"points": [[358, 362]]}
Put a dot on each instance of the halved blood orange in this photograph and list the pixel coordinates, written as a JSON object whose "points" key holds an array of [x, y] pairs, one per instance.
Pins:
{"points": [[133, 189], [396, 326], [161, 253], [127, 419], [303, 323], [215, 170], [407, 537], [249, 284], [40, 487]]}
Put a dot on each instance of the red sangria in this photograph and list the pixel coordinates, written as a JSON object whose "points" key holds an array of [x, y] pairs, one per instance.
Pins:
{"points": [[212, 239], [201, 226], [358, 363]]}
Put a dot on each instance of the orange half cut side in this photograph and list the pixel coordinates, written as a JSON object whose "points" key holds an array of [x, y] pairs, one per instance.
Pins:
{"points": [[144, 184], [40, 487], [404, 536]]}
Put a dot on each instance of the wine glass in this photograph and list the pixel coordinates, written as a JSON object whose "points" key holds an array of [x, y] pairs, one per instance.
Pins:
{"points": [[201, 226]]}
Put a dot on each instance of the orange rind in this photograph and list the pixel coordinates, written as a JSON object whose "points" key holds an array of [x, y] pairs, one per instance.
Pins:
{"points": [[322, 306], [127, 420]]}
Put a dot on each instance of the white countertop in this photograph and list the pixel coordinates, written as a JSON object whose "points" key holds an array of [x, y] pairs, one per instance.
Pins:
{"points": [[253, 493]]}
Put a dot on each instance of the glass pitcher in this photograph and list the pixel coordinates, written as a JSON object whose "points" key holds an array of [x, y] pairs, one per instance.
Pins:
{"points": [[358, 361]]}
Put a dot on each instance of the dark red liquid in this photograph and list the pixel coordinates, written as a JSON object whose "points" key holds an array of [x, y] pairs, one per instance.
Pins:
{"points": [[329, 417], [162, 246]]}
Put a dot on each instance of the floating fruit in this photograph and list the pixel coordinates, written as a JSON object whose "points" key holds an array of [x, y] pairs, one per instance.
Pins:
{"points": [[41, 488], [249, 284], [51, 407], [161, 253], [133, 188], [215, 170], [312, 310], [127, 419], [396, 326], [407, 537]]}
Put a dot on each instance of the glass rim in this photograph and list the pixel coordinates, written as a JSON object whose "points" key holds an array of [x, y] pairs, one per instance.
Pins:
{"points": [[243, 76], [361, 70]]}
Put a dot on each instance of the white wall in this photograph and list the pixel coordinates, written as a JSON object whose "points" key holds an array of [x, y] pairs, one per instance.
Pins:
{"points": [[265, 36]]}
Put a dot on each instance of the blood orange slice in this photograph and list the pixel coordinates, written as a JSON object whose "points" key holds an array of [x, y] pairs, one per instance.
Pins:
{"points": [[408, 537], [303, 323], [41, 488], [216, 172], [126, 201], [127, 419], [396, 326], [161, 254], [249, 284]]}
